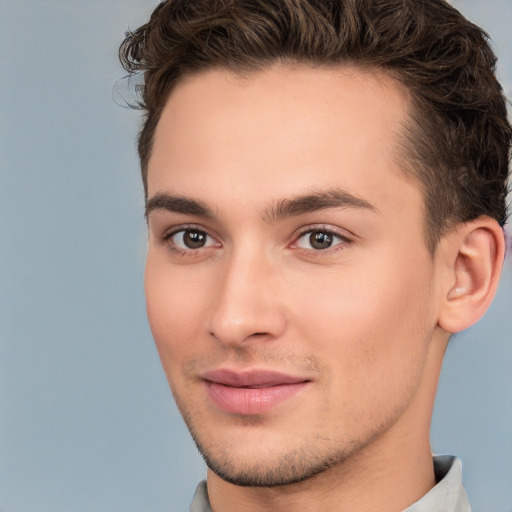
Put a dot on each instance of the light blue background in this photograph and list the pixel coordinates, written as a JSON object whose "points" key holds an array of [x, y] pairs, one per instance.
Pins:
{"points": [[87, 422]]}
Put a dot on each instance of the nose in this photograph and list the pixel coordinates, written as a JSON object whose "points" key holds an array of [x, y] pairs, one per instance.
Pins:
{"points": [[248, 302]]}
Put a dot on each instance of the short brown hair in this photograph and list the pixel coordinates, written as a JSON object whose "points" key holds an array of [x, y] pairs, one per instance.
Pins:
{"points": [[458, 141]]}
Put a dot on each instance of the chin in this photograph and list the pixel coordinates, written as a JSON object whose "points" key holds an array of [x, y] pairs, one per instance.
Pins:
{"points": [[245, 467]]}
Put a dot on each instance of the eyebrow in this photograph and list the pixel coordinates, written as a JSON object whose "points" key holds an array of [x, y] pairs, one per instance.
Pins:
{"points": [[178, 204], [284, 208], [316, 201]]}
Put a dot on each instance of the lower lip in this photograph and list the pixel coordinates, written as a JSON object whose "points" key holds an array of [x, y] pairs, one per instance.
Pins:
{"points": [[249, 401]]}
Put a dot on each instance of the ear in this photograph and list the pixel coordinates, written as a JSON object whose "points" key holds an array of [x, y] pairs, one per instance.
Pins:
{"points": [[471, 258]]}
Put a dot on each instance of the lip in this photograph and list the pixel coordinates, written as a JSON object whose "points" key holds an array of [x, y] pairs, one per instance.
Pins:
{"points": [[251, 392]]}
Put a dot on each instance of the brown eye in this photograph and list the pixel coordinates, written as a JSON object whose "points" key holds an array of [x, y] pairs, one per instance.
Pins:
{"points": [[190, 239], [320, 240], [194, 239]]}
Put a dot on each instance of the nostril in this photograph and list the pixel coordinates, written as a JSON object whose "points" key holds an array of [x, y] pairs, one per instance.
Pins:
{"points": [[259, 336]]}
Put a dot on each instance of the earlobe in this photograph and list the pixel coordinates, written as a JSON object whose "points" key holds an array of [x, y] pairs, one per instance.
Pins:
{"points": [[473, 256]]}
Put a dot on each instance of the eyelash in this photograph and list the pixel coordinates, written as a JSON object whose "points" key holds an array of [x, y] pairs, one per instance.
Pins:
{"points": [[342, 244], [166, 240]]}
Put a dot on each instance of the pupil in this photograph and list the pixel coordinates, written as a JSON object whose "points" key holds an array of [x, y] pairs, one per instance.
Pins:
{"points": [[320, 240], [194, 239]]}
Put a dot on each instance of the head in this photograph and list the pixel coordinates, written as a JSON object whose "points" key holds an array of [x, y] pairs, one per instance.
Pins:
{"points": [[322, 180]]}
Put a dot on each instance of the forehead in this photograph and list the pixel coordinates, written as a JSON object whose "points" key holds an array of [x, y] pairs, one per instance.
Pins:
{"points": [[280, 132]]}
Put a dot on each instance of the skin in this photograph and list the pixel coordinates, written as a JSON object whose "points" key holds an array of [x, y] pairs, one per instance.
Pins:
{"points": [[364, 321]]}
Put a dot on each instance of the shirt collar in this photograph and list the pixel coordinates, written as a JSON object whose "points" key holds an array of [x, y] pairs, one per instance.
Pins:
{"points": [[200, 503], [449, 494]]}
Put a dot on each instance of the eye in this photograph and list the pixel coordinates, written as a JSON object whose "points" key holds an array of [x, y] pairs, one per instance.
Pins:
{"points": [[191, 239], [319, 240]]}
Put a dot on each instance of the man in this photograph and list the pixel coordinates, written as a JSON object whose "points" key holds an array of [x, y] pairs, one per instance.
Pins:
{"points": [[325, 194]]}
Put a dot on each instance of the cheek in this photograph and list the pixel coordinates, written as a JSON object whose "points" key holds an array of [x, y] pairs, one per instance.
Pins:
{"points": [[370, 327], [174, 306]]}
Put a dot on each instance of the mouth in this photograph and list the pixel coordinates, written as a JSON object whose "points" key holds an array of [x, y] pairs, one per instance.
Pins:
{"points": [[251, 392]]}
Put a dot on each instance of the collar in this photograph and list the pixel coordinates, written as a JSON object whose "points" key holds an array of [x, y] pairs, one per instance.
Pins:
{"points": [[449, 494]]}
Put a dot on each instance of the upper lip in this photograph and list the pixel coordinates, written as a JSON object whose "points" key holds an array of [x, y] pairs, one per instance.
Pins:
{"points": [[251, 378]]}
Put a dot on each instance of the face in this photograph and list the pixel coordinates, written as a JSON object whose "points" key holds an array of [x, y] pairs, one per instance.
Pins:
{"points": [[289, 288]]}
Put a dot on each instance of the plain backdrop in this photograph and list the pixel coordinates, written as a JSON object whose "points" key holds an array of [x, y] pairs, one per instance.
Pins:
{"points": [[87, 422]]}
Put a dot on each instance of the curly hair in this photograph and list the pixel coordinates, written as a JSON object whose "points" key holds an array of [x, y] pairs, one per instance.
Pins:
{"points": [[457, 142]]}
